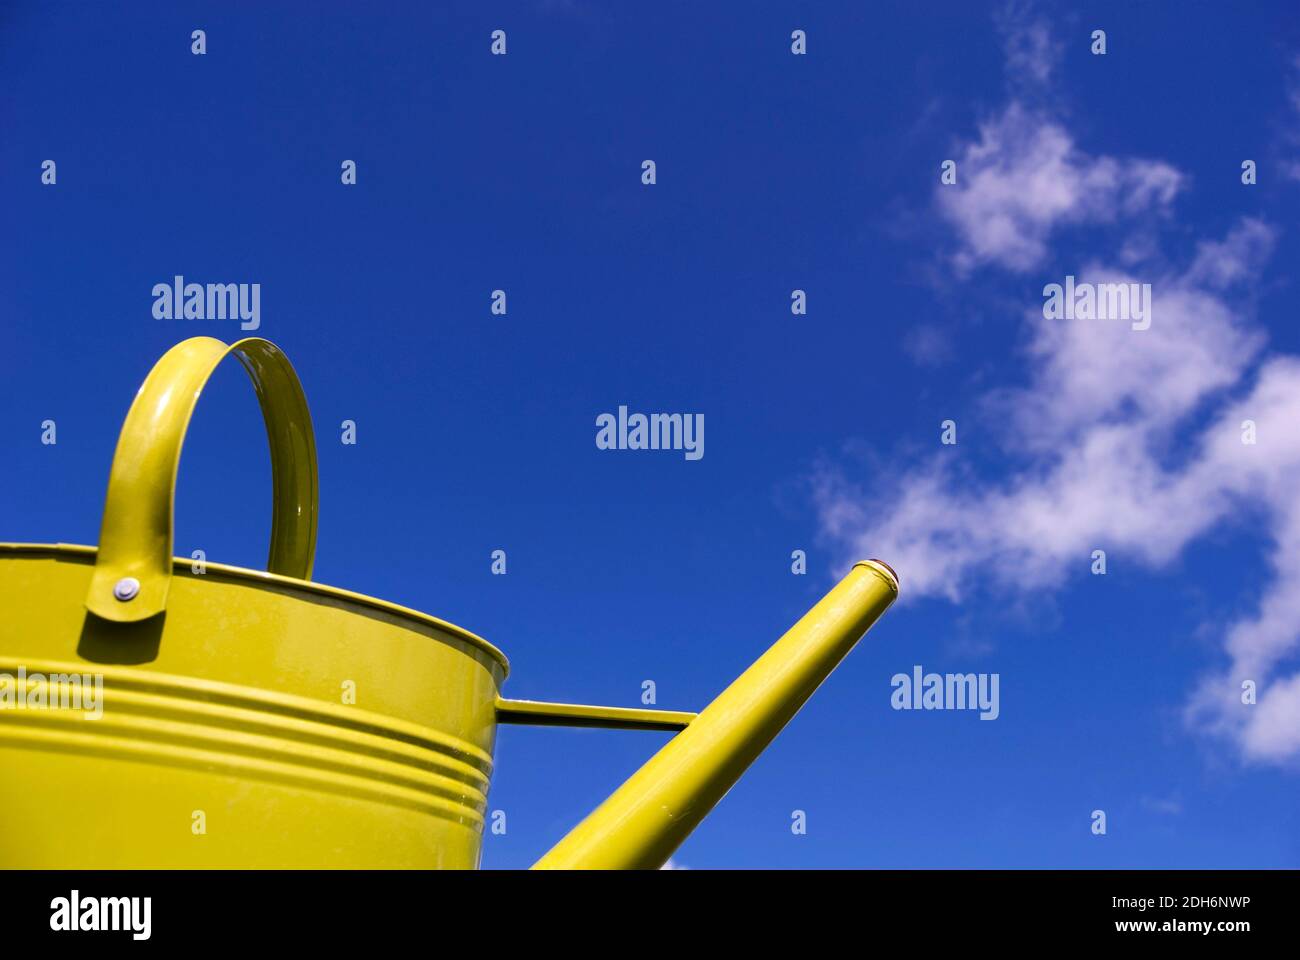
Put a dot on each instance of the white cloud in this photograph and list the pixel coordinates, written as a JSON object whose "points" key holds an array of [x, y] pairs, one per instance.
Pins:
{"points": [[1025, 178], [1118, 439], [1090, 429], [1027, 46]]}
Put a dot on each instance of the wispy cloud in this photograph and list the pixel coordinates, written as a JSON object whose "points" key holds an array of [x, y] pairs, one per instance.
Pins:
{"points": [[1030, 52], [1169, 806], [1091, 419], [1025, 178]]}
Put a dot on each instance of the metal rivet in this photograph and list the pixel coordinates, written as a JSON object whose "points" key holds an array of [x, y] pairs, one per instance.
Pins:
{"points": [[126, 588]]}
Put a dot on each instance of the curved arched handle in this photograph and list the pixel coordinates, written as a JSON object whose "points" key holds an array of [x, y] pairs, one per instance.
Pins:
{"points": [[133, 568]]}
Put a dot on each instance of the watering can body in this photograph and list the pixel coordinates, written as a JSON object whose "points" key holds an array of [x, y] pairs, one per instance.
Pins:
{"points": [[161, 713], [261, 721]]}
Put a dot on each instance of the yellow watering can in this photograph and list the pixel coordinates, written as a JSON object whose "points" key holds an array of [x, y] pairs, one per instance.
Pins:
{"points": [[157, 714]]}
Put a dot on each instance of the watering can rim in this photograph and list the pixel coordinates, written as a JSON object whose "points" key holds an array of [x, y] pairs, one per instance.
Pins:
{"points": [[183, 565]]}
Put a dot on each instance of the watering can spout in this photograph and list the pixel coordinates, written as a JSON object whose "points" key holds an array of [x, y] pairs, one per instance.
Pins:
{"points": [[648, 817]]}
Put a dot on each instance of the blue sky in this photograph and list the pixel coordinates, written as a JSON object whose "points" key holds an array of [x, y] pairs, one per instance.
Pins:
{"points": [[775, 172]]}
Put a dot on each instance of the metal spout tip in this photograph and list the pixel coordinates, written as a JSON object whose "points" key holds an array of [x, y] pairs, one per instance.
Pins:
{"points": [[883, 568]]}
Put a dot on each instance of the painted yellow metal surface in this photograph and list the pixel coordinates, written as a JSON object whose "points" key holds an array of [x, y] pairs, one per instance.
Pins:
{"points": [[250, 719], [290, 726]]}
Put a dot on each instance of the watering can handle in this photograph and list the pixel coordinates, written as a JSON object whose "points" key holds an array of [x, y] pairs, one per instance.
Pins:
{"points": [[133, 567]]}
